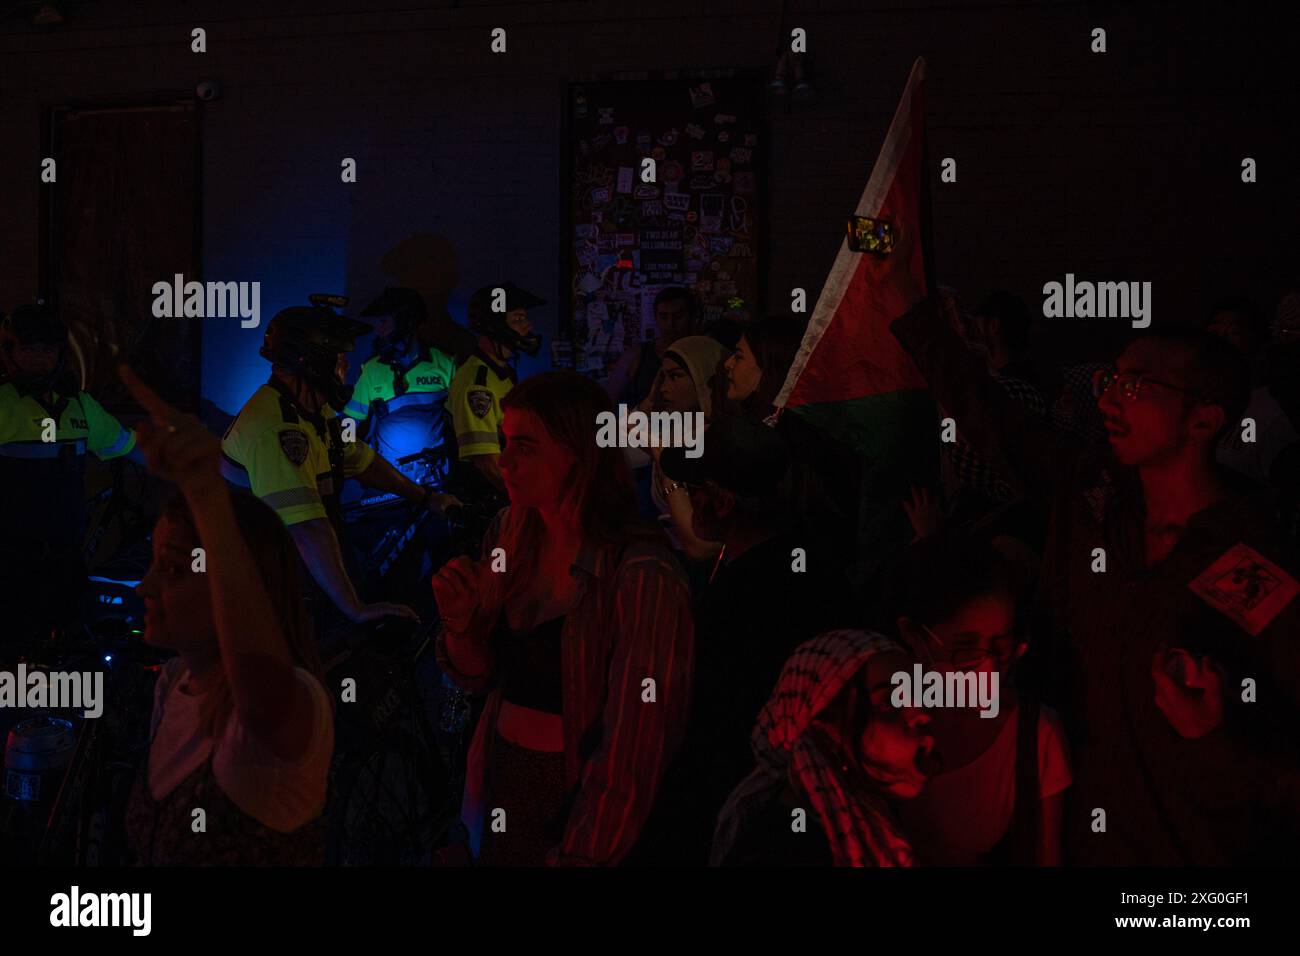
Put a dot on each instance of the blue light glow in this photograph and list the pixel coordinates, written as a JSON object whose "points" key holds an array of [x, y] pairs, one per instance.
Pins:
{"points": [[289, 271]]}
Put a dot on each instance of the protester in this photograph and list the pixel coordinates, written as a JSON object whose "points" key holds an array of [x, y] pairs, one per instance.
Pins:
{"points": [[632, 377], [831, 750], [757, 369], [1282, 358], [1074, 413], [974, 486], [770, 591], [1265, 432], [1253, 818], [1282, 377], [1004, 324], [683, 386], [578, 620], [1239, 320], [957, 602], [242, 725], [1135, 542], [827, 479]]}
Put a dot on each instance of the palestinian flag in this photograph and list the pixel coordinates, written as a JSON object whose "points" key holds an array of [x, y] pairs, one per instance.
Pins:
{"points": [[850, 377]]}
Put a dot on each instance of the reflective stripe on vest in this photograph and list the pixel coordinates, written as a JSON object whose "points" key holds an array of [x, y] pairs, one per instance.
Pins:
{"points": [[416, 399], [123, 436], [235, 473], [41, 449]]}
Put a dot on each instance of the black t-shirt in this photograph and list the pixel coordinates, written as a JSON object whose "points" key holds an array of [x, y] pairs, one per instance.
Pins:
{"points": [[530, 665]]}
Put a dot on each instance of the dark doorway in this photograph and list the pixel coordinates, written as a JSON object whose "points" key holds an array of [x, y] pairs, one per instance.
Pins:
{"points": [[124, 214]]}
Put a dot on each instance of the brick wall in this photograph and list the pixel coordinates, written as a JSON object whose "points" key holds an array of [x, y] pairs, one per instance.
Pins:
{"points": [[1123, 165]]}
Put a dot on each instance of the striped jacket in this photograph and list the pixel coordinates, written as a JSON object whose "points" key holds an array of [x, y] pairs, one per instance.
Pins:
{"points": [[631, 622]]}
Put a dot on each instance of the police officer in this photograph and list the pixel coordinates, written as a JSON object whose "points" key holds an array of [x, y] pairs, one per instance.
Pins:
{"points": [[289, 447], [402, 390], [47, 424], [499, 316]]}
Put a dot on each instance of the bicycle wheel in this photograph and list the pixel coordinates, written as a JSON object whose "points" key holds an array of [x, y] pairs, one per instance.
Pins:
{"points": [[391, 807]]}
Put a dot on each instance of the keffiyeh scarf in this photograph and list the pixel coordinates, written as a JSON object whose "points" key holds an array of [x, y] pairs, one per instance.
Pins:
{"points": [[857, 823]]}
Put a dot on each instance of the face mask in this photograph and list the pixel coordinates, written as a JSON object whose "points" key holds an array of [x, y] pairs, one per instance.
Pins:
{"points": [[337, 394], [340, 395], [391, 349], [529, 344]]}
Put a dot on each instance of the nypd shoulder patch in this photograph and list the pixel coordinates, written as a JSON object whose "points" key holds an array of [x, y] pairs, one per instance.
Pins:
{"points": [[480, 401], [294, 445]]}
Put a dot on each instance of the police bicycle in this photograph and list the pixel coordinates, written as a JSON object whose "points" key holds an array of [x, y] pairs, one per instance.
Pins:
{"points": [[394, 797], [402, 733], [68, 778]]}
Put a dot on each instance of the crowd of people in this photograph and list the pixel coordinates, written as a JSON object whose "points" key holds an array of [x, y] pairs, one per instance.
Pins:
{"points": [[693, 660], [1120, 558]]}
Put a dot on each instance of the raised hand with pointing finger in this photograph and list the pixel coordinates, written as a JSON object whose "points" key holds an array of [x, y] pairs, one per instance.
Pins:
{"points": [[176, 446]]}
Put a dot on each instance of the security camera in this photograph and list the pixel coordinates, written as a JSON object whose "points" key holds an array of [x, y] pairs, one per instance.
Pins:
{"points": [[208, 90]]}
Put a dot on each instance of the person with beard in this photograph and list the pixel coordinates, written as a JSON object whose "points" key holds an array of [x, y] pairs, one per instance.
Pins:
{"points": [[47, 425], [1137, 541]]}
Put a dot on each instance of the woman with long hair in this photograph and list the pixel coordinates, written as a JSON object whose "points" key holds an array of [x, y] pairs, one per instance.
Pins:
{"points": [[577, 619], [756, 370], [827, 478], [242, 726]]}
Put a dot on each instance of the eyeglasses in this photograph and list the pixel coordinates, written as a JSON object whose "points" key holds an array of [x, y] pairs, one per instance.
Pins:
{"points": [[1130, 384], [999, 650]]}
